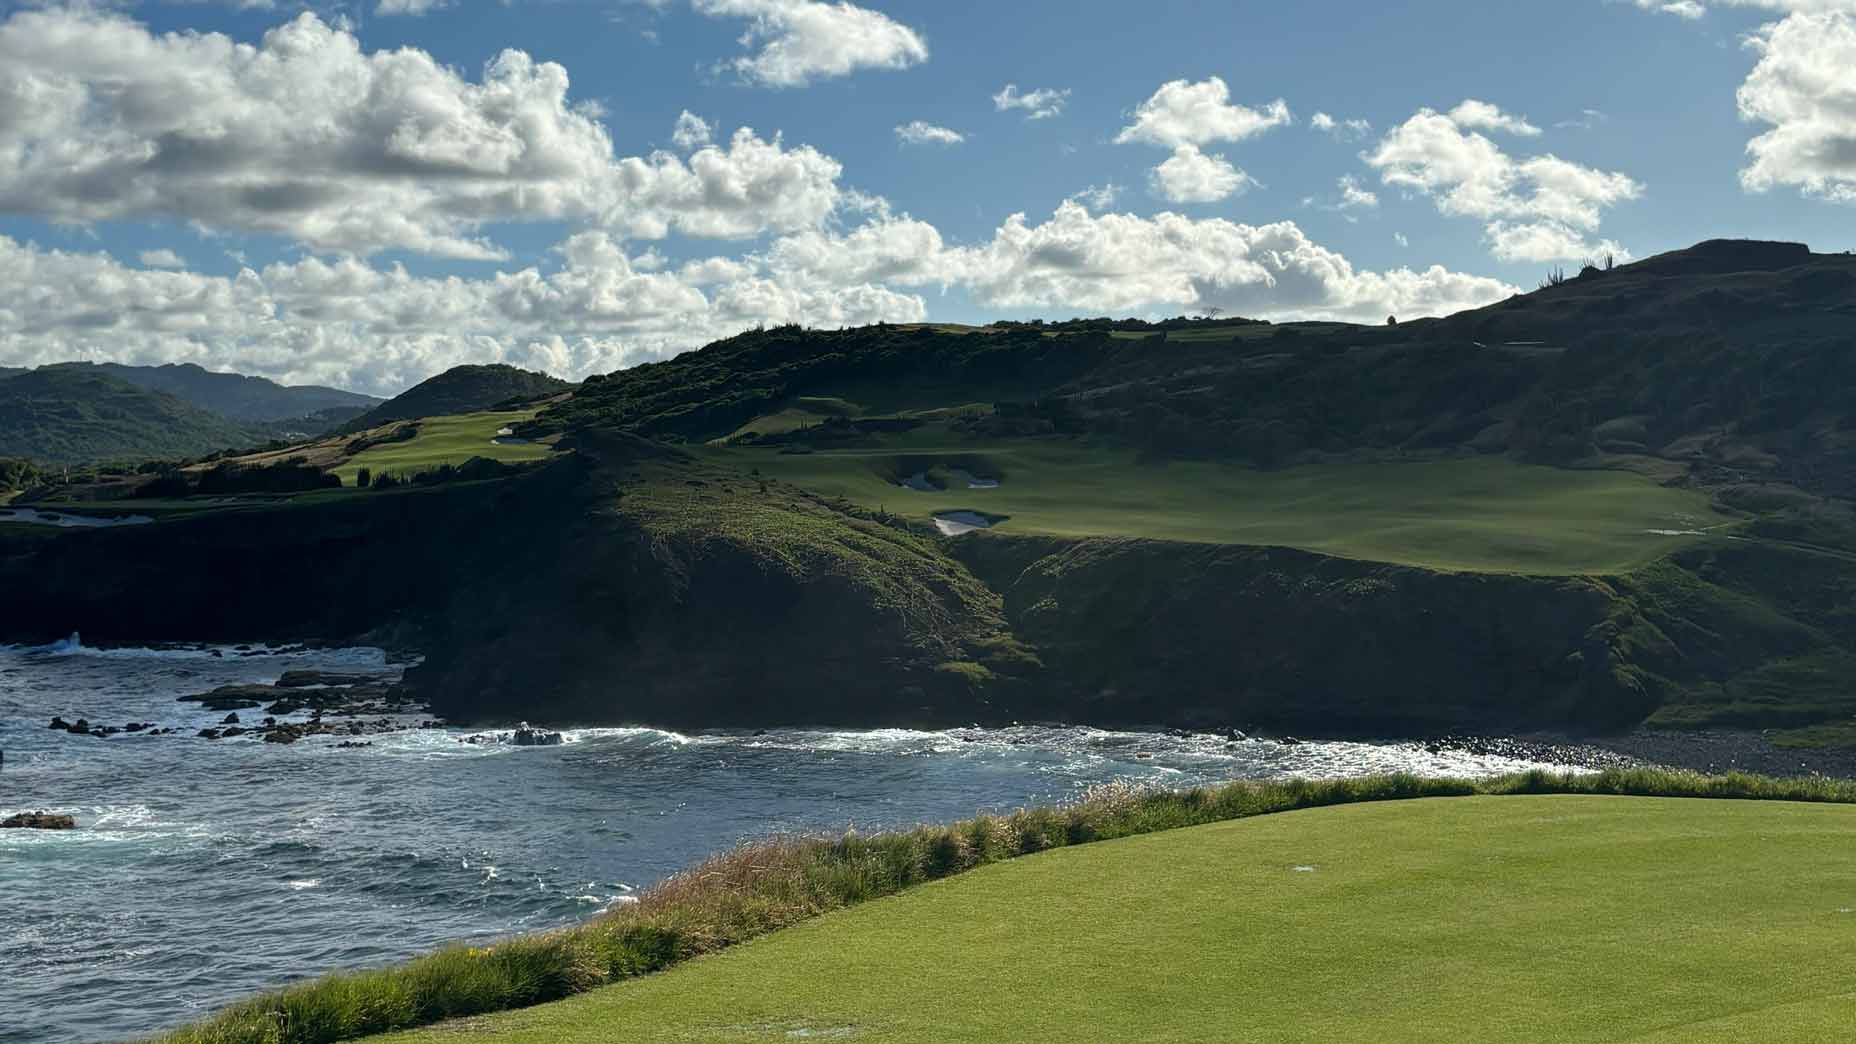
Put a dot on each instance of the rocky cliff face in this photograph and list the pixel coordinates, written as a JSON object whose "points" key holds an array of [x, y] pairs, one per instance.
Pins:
{"points": [[631, 584]]}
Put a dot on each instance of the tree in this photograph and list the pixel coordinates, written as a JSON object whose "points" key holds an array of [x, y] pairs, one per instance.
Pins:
{"points": [[1391, 320], [363, 478]]}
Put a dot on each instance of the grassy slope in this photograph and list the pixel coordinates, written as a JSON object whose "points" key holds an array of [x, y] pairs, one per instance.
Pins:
{"points": [[1487, 919], [445, 440], [62, 415], [1490, 515]]}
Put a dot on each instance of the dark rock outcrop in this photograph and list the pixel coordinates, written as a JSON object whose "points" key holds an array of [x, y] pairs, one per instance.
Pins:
{"points": [[38, 821]]}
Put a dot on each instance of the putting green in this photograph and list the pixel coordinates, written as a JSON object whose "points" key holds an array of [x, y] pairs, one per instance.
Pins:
{"points": [[445, 440], [1478, 515], [1489, 919]]}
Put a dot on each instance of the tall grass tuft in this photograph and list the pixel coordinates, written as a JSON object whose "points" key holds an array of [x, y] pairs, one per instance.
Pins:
{"points": [[770, 884]]}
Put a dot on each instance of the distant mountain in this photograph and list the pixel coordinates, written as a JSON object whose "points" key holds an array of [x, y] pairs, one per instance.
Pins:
{"points": [[461, 389], [77, 414], [233, 395]]}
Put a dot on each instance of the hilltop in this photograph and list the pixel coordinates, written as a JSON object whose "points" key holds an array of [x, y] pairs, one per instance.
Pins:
{"points": [[1617, 500], [237, 396], [461, 389], [65, 415]]}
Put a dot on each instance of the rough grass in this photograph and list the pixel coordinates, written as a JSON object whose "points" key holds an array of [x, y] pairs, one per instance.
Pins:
{"points": [[772, 884], [1477, 515], [445, 440]]}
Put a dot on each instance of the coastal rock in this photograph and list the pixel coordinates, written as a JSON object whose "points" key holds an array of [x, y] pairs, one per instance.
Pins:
{"points": [[525, 736], [306, 679], [231, 719], [38, 821], [230, 697]]}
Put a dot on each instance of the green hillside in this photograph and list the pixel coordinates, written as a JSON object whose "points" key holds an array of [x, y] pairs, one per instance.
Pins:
{"points": [[64, 415], [461, 389], [236, 396], [1490, 919]]}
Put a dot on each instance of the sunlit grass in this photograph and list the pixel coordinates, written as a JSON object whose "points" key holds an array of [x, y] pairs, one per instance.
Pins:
{"points": [[768, 885]]}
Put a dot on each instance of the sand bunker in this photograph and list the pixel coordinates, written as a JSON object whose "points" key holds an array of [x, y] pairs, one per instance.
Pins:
{"points": [[919, 483], [34, 517], [954, 523], [973, 481], [507, 437]]}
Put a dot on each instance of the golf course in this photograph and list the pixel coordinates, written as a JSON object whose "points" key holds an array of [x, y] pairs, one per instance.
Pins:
{"points": [[451, 439], [1491, 919], [1466, 514]]}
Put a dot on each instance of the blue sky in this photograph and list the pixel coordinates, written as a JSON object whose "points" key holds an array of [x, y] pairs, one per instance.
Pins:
{"points": [[364, 196]]}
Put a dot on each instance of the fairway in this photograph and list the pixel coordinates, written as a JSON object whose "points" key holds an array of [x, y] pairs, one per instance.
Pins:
{"points": [[1476, 514], [1487, 919], [445, 440]]}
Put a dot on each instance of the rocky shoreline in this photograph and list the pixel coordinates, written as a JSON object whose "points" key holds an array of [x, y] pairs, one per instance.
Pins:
{"points": [[1711, 751], [338, 704]]}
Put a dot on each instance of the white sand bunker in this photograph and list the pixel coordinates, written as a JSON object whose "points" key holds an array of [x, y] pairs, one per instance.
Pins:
{"points": [[507, 437], [954, 523], [1676, 532], [35, 517], [973, 481], [919, 483]]}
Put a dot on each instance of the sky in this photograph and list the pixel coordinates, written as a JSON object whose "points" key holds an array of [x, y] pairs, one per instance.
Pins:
{"points": [[366, 193]]}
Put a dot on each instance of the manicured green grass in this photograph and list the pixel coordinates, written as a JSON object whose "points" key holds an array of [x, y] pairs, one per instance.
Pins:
{"points": [[445, 440], [1480, 514], [764, 886], [1522, 919]]}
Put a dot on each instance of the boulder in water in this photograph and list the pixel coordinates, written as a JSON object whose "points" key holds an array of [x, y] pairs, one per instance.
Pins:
{"points": [[38, 821], [524, 736]]}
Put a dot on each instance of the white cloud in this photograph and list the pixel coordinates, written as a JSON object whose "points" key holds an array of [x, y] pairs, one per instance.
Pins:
{"points": [[1802, 88], [379, 329], [1040, 104], [1183, 113], [1190, 176], [392, 7], [1400, 239], [691, 131], [1353, 196], [1341, 130], [1098, 197], [1553, 200], [1117, 262], [1480, 115], [805, 40], [307, 136], [751, 186], [1689, 9], [921, 132], [161, 258], [1547, 241]]}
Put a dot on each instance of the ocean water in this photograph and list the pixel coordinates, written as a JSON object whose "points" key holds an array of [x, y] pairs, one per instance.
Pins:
{"points": [[207, 870]]}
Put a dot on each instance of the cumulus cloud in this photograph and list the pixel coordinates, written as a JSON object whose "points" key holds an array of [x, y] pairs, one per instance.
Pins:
{"points": [[161, 258], [1531, 205], [1122, 261], [1341, 130], [1040, 104], [1481, 115], [1802, 88], [801, 41], [691, 131], [1190, 176], [1184, 113], [921, 132], [377, 329], [306, 136]]}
